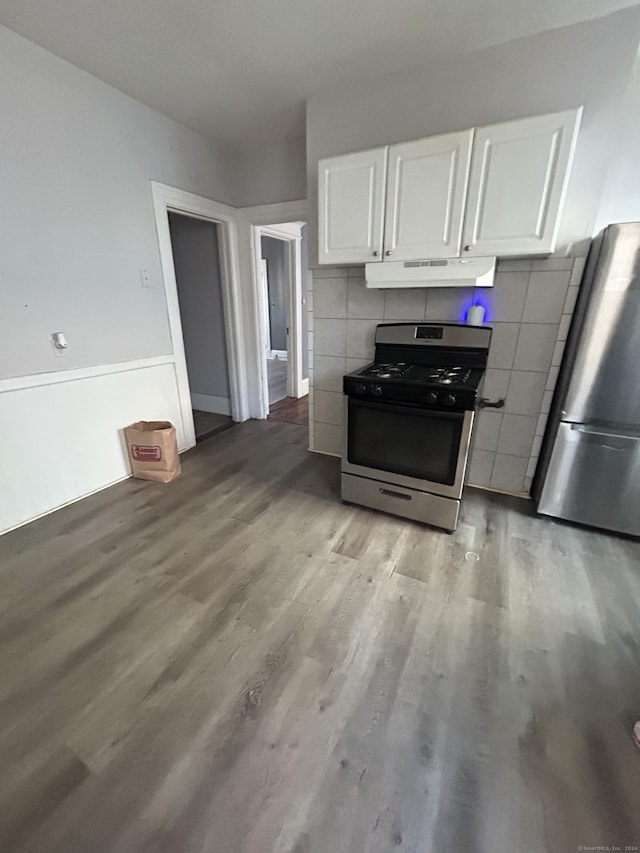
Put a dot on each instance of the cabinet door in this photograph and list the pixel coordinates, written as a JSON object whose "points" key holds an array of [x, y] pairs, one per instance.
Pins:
{"points": [[519, 175], [426, 188], [350, 208]]}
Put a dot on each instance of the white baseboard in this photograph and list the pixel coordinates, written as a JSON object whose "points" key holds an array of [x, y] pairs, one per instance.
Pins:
{"points": [[211, 403], [280, 354]]}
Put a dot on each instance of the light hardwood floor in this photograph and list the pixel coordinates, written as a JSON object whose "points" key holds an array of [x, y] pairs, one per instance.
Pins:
{"points": [[238, 663]]}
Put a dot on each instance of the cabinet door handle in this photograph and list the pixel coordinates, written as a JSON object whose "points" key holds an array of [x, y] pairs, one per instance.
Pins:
{"points": [[467, 248], [376, 253], [388, 252]]}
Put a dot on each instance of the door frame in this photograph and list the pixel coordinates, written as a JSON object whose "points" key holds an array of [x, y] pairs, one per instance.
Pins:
{"points": [[291, 236], [251, 222], [170, 199]]}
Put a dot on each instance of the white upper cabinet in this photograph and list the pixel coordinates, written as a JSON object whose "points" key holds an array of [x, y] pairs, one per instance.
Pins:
{"points": [[426, 187], [494, 191], [351, 207], [519, 175]]}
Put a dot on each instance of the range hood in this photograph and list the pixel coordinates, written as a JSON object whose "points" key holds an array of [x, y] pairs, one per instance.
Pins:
{"points": [[449, 272]]}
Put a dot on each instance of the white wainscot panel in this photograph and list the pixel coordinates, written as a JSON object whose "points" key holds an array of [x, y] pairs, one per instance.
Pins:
{"points": [[62, 440]]}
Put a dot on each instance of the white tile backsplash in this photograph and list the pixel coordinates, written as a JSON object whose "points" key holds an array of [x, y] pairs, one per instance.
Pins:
{"points": [[329, 337], [327, 407], [565, 323], [486, 430], [570, 301], [363, 303], [577, 271], [545, 296], [405, 304], [513, 265], [358, 363], [529, 309], [507, 297], [448, 304], [480, 468], [552, 377], [534, 351], [361, 338], [516, 435], [496, 384], [328, 371], [525, 393], [541, 424], [330, 298], [503, 345], [558, 352], [553, 263], [327, 438], [533, 464], [508, 473], [547, 397]]}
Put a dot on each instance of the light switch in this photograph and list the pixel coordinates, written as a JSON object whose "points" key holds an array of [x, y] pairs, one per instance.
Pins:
{"points": [[145, 278], [59, 343]]}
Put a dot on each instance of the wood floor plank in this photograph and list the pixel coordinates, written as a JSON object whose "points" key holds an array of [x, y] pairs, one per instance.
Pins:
{"points": [[239, 663]]}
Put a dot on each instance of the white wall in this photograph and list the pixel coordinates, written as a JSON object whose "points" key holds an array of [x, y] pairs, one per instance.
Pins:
{"points": [[266, 174], [76, 225], [76, 213], [196, 260], [589, 64], [621, 196], [64, 438]]}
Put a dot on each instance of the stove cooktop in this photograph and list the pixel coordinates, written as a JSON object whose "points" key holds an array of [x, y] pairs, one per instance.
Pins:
{"points": [[441, 387], [421, 373]]}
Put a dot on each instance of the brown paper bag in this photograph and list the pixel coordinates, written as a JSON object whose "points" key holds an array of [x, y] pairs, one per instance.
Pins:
{"points": [[153, 451]]}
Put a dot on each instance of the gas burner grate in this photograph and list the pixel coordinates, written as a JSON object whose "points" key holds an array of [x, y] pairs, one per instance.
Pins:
{"points": [[387, 370], [418, 373]]}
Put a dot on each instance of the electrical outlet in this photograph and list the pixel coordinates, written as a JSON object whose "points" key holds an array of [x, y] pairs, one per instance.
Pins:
{"points": [[145, 278]]}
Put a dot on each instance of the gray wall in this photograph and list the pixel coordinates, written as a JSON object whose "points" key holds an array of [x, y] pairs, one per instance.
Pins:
{"points": [[264, 174], [197, 264], [589, 64], [273, 252], [77, 221]]}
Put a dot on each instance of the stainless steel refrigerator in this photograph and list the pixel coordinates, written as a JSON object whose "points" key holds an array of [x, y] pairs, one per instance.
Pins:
{"points": [[589, 469]]}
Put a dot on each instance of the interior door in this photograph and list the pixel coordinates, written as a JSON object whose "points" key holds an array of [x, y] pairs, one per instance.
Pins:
{"points": [[519, 175], [350, 207], [426, 188], [594, 477]]}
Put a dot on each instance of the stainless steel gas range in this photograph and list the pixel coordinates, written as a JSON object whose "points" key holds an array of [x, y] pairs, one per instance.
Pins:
{"points": [[409, 417]]}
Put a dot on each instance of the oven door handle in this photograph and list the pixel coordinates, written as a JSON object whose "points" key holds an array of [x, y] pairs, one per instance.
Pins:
{"points": [[390, 493]]}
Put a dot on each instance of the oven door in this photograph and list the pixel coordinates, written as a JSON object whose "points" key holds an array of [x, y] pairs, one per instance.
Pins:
{"points": [[407, 445]]}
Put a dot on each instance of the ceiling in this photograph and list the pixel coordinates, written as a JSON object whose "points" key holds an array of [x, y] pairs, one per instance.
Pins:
{"points": [[239, 71]]}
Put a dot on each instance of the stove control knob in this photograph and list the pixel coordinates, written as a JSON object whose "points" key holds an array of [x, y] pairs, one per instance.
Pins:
{"points": [[431, 397], [448, 399], [376, 390], [361, 388]]}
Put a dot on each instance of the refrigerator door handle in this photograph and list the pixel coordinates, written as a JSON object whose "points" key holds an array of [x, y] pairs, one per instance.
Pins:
{"points": [[619, 438]]}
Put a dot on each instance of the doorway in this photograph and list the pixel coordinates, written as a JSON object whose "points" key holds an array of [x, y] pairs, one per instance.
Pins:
{"points": [[196, 258], [281, 251]]}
